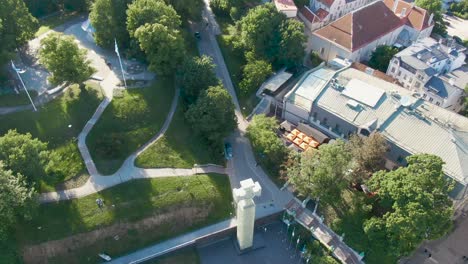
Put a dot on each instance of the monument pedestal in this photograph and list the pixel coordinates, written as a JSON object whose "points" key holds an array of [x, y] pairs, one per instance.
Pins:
{"points": [[258, 243]]}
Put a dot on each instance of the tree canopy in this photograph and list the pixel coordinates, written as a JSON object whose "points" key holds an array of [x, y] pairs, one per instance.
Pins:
{"points": [[322, 172], [108, 18], [141, 12], [187, 9], [368, 155], [163, 46], [24, 155], [16, 200], [270, 149], [434, 7], [381, 57], [268, 34], [64, 59], [197, 75], [254, 74], [213, 116], [415, 204]]}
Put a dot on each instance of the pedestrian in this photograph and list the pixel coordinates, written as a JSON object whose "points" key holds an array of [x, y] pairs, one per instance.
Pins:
{"points": [[430, 255]]}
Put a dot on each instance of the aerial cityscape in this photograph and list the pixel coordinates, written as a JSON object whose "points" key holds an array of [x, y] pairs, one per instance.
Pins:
{"points": [[234, 131]]}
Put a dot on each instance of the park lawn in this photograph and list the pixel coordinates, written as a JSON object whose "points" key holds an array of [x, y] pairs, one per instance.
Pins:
{"points": [[180, 147], [51, 22], [14, 99], [184, 256], [51, 124], [235, 61], [126, 204], [128, 122]]}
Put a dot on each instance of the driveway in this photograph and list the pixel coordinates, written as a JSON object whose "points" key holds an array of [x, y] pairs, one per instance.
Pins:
{"points": [[457, 27]]}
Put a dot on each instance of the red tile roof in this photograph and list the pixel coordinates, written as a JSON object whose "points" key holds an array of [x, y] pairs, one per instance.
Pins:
{"points": [[327, 2], [361, 27], [416, 17], [321, 13], [308, 14]]}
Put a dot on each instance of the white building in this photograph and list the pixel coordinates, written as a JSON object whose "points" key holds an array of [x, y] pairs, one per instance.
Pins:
{"points": [[423, 66], [286, 7], [356, 35], [321, 12]]}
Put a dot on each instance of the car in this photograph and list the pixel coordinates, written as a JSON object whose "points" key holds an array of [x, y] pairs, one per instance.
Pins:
{"points": [[227, 151], [197, 35]]}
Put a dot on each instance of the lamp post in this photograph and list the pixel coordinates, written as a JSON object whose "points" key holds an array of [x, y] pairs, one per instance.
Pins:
{"points": [[120, 61], [24, 86]]}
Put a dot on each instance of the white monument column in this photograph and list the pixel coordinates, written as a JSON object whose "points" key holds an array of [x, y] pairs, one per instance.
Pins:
{"points": [[243, 196]]}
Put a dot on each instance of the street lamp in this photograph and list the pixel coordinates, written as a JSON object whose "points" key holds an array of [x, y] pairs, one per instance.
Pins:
{"points": [[24, 86], [120, 61]]}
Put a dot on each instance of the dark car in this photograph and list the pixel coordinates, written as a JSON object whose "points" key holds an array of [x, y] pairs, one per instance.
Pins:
{"points": [[227, 151], [197, 35]]}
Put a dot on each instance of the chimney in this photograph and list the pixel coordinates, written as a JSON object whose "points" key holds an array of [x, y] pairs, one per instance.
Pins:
{"points": [[403, 12], [429, 22], [395, 5]]}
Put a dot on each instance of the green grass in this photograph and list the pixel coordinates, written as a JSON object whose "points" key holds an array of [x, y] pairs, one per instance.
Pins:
{"points": [[127, 123], [183, 256], [133, 201], [54, 21], [235, 60], [14, 99], [178, 148], [50, 124]]}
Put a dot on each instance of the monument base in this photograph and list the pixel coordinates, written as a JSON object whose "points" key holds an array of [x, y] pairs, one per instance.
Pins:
{"points": [[258, 242]]}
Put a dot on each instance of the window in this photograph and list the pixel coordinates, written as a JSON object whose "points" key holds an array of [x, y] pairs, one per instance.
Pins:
{"points": [[322, 50], [337, 128], [424, 95], [314, 115], [393, 70], [417, 85], [399, 73], [364, 132], [410, 79], [431, 99], [438, 103], [324, 121], [400, 159], [404, 77]]}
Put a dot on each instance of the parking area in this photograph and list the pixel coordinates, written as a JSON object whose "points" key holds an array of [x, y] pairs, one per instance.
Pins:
{"points": [[457, 26]]}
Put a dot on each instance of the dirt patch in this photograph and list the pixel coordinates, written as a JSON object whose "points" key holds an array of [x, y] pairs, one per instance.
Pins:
{"points": [[167, 223]]}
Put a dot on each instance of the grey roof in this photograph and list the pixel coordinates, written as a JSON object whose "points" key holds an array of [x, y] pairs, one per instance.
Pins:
{"points": [[443, 88], [421, 128], [459, 77], [417, 64]]}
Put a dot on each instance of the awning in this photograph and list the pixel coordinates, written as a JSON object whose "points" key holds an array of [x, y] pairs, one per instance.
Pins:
{"points": [[312, 132], [287, 126]]}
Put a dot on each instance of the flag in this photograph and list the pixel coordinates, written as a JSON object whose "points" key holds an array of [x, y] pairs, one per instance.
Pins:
{"points": [[298, 240], [116, 47], [14, 67]]}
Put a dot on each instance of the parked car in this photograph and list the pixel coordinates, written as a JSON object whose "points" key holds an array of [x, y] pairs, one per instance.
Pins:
{"points": [[197, 35], [227, 151]]}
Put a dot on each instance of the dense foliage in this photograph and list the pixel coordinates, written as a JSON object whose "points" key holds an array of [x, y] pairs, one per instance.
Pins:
{"points": [[197, 75], [64, 59], [415, 203], [254, 74], [48, 7], [381, 57], [213, 116], [460, 9]]}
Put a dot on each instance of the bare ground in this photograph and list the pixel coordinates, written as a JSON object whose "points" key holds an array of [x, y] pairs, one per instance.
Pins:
{"points": [[65, 248]]}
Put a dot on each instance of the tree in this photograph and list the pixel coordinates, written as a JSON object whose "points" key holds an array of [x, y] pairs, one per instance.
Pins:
{"points": [[434, 7], [187, 9], [17, 26], [254, 74], [368, 155], [270, 149], [464, 109], [301, 3], [258, 31], [197, 75], [322, 172], [16, 200], [64, 59], [292, 43], [24, 155], [460, 9], [163, 46], [212, 116], [381, 57], [108, 18], [415, 204], [141, 12]]}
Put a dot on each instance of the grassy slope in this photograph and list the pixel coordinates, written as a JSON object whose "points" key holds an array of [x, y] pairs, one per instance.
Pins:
{"points": [[129, 122], [133, 201], [178, 148], [14, 99], [50, 124], [54, 21]]}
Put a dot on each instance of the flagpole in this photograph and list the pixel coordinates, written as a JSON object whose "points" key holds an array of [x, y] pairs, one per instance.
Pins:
{"points": [[120, 61], [24, 86]]}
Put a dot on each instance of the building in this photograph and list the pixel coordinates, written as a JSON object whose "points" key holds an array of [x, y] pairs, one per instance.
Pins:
{"points": [[322, 12], [341, 102], [286, 7], [422, 68], [356, 35]]}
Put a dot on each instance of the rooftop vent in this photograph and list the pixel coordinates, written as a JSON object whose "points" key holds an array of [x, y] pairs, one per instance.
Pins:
{"points": [[406, 101], [369, 71], [433, 59], [419, 56], [353, 104]]}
